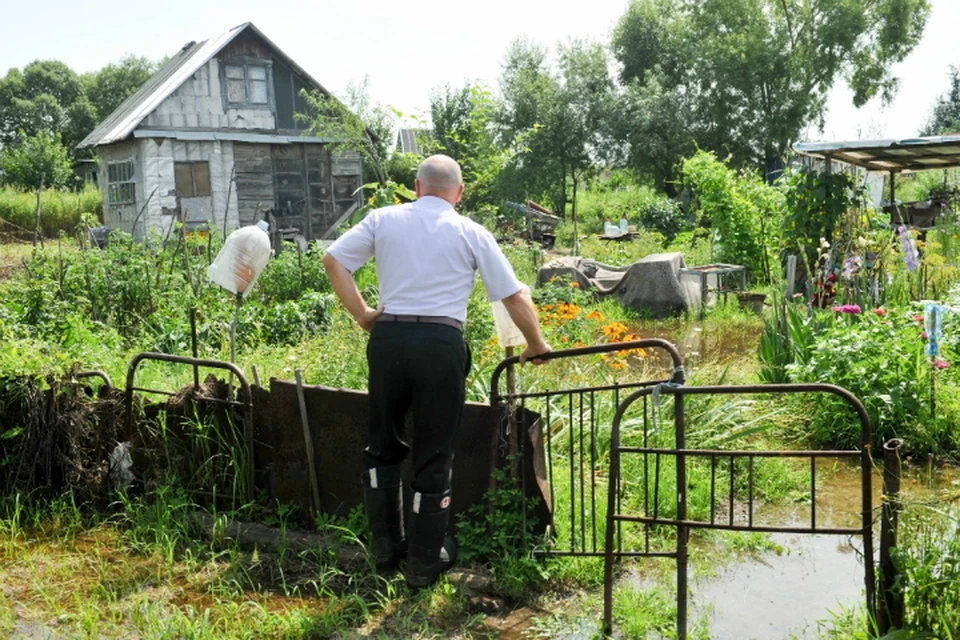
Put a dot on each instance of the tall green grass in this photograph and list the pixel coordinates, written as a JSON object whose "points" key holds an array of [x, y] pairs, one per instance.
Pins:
{"points": [[60, 210]]}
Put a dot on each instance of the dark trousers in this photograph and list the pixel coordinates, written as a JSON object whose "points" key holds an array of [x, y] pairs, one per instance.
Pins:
{"points": [[421, 368]]}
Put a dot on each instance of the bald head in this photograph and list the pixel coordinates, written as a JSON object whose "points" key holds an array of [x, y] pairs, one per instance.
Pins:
{"points": [[440, 176]]}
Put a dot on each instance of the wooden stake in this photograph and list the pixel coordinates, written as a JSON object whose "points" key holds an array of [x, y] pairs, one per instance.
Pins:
{"points": [[308, 441], [37, 237]]}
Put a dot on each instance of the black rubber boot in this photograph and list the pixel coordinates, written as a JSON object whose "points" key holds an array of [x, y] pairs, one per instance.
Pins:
{"points": [[432, 550], [383, 501]]}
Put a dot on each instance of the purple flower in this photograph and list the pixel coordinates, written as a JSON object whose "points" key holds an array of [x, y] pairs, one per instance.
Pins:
{"points": [[910, 253], [851, 266]]}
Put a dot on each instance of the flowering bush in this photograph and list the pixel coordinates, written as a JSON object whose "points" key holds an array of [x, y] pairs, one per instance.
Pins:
{"points": [[880, 358]]}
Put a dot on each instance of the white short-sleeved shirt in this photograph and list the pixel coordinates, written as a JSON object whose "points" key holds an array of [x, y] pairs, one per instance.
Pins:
{"points": [[427, 257]]}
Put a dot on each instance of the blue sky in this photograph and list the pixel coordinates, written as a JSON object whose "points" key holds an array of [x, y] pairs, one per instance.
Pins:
{"points": [[407, 49]]}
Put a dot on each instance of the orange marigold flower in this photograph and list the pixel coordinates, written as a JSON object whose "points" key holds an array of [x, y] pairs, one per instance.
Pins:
{"points": [[614, 329], [617, 365], [564, 339], [595, 315], [546, 307], [579, 344], [630, 337], [575, 285]]}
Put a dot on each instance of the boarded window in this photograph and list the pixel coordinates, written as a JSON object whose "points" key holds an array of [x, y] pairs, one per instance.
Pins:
{"points": [[192, 179], [121, 182]]}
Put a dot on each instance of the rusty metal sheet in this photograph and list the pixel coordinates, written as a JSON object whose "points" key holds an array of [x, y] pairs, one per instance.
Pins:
{"points": [[338, 424]]}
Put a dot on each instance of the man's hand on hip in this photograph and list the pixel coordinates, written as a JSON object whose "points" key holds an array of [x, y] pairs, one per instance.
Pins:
{"points": [[368, 318]]}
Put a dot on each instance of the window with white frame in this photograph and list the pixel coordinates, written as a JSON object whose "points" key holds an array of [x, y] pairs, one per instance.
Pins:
{"points": [[121, 182], [247, 84]]}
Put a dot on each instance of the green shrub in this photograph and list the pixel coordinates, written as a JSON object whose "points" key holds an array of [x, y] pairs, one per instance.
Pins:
{"points": [[60, 210], [928, 561], [290, 274], [881, 360], [741, 210]]}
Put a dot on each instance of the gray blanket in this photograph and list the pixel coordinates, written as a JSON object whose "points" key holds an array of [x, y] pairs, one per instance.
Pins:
{"points": [[653, 284]]}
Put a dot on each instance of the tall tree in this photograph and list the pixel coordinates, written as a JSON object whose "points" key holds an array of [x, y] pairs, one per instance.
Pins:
{"points": [[586, 96], [35, 161], [530, 94], [555, 121], [754, 73], [463, 127], [945, 115], [117, 81]]}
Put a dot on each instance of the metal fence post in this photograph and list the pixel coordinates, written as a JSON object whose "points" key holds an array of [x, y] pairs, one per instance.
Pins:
{"points": [[890, 606]]}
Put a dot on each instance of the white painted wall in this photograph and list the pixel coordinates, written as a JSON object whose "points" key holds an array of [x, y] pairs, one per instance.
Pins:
{"points": [[198, 103], [158, 162]]}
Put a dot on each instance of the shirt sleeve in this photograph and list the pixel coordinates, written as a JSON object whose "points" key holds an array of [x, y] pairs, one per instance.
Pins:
{"points": [[495, 270], [356, 246]]}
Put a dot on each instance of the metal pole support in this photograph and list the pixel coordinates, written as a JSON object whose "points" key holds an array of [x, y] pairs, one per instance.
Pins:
{"points": [[890, 606]]}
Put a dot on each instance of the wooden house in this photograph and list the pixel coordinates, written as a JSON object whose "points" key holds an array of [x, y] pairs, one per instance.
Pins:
{"points": [[213, 138]]}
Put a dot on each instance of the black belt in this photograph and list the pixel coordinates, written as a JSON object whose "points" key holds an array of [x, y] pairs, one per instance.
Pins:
{"points": [[444, 320]]}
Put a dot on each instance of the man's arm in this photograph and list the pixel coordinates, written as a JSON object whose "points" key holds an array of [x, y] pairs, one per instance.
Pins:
{"points": [[346, 289], [524, 315]]}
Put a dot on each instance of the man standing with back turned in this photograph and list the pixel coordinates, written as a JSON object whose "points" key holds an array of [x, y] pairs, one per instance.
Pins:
{"points": [[426, 257]]}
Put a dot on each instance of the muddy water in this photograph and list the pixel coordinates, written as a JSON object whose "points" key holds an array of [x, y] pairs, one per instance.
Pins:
{"points": [[779, 596], [695, 343]]}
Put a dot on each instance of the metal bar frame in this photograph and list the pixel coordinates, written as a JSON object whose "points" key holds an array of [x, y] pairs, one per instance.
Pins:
{"points": [[96, 373], [195, 363], [684, 525], [583, 535]]}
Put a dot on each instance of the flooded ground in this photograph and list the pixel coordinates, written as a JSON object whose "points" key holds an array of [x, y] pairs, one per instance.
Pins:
{"points": [[783, 595]]}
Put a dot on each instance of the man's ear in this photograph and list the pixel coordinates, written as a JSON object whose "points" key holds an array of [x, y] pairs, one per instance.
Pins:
{"points": [[416, 186], [459, 193]]}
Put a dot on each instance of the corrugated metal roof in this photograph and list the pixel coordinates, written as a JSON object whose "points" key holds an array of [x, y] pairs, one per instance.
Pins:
{"points": [[233, 136], [408, 140], [132, 111], [912, 154]]}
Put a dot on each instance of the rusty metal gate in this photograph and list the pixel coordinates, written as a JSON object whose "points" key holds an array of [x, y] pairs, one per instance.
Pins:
{"points": [[574, 423], [659, 510]]}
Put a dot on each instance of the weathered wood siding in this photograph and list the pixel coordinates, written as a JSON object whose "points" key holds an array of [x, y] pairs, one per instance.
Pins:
{"points": [[115, 216], [254, 181]]}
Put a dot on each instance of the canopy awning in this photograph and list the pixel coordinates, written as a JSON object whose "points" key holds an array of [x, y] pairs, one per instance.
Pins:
{"points": [[912, 154]]}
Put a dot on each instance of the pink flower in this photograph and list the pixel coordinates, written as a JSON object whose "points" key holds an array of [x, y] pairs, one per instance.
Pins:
{"points": [[939, 363], [918, 317], [797, 295], [880, 311], [923, 334], [847, 308]]}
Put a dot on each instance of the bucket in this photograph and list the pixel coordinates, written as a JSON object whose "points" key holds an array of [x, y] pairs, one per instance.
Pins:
{"points": [[752, 301]]}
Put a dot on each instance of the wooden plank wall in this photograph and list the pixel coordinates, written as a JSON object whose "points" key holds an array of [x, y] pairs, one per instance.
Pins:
{"points": [[254, 180]]}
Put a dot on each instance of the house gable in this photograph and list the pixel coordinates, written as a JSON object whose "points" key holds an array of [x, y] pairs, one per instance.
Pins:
{"points": [[238, 81]]}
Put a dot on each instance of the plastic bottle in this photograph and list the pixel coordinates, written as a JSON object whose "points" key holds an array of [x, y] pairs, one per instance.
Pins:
{"points": [[508, 333], [244, 255]]}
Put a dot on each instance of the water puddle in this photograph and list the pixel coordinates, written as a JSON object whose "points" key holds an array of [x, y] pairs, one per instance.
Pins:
{"points": [[780, 595], [717, 344]]}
